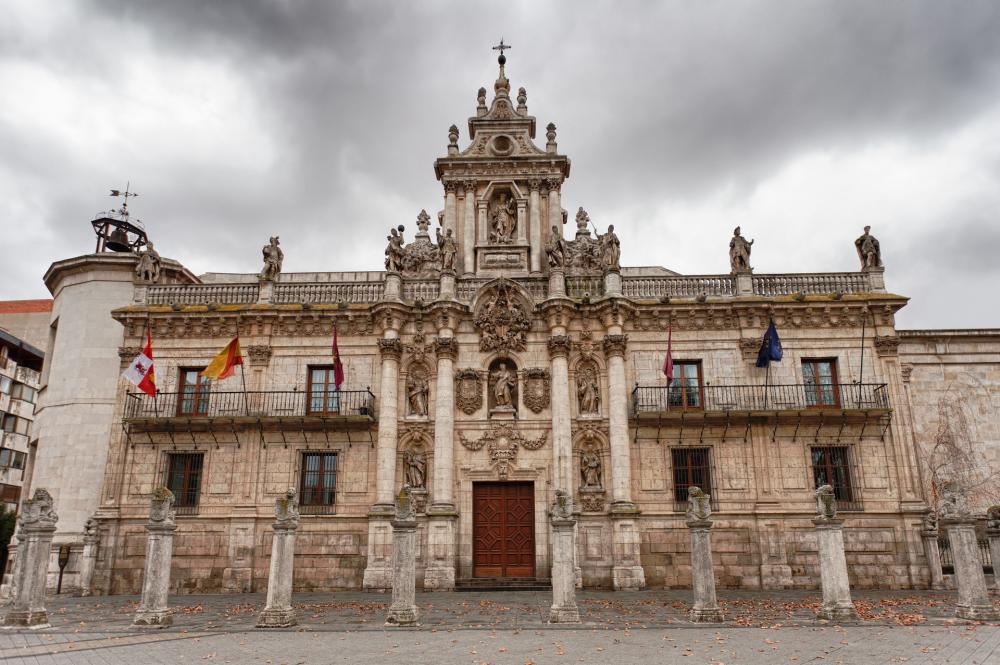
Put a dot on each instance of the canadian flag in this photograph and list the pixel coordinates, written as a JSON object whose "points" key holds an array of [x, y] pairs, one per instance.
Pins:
{"points": [[140, 372]]}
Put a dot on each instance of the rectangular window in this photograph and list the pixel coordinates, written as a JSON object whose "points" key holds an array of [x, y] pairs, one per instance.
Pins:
{"points": [[23, 392], [9, 493], [5, 456], [318, 489], [691, 467], [184, 480], [831, 466], [685, 389], [17, 461], [194, 391], [820, 379], [323, 397], [5, 385], [11, 423]]}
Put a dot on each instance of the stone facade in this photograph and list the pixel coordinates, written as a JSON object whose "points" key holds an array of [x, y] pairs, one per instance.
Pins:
{"points": [[513, 357]]}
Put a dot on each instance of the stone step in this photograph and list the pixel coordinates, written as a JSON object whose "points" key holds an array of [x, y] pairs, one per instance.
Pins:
{"points": [[503, 584]]}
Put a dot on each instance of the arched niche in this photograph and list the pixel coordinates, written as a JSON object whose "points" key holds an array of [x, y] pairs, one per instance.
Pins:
{"points": [[502, 388]]}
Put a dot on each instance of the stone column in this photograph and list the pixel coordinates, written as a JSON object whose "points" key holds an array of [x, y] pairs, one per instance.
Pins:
{"points": [[403, 611], [153, 609], [88, 560], [469, 229], [562, 437], [993, 535], [837, 604], [929, 534], [555, 206], [278, 613], [378, 574], [36, 528], [626, 573], [535, 224], [705, 608], [439, 574], [564, 609], [450, 207], [973, 599]]}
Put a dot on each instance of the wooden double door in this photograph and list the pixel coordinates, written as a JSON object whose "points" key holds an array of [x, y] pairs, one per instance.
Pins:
{"points": [[503, 530]]}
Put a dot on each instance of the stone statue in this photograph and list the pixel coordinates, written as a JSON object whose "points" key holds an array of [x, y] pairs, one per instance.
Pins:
{"points": [[416, 469], [394, 250], [161, 505], [404, 504], [273, 256], [739, 252], [504, 220], [826, 502], [930, 522], [504, 383], [590, 468], [562, 507], [447, 249], [555, 251], [148, 267], [588, 392], [416, 395], [39, 508], [611, 250], [868, 250], [699, 505], [286, 508]]}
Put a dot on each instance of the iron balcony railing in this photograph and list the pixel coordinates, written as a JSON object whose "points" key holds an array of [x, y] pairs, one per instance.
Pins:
{"points": [[695, 397], [272, 403]]}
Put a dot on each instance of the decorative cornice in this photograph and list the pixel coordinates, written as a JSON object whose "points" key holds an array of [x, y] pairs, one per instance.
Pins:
{"points": [[614, 345], [887, 345], [446, 347], [390, 348], [259, 354], [559, 346]]}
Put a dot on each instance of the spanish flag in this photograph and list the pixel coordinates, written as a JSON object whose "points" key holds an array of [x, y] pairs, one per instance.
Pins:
{"points": [[224, 365]]}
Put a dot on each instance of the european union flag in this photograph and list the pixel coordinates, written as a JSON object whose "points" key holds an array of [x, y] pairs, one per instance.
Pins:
{"points": [[770, 348]]}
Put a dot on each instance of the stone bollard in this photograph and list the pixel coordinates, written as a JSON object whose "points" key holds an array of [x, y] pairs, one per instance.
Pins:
{"points": [[153, 609], [88, 560], [973, 598], [403, 611], [564, 609], [37, 526], [837, 604], [929, 534], [706, 607], [993, 534], [278, 613]]}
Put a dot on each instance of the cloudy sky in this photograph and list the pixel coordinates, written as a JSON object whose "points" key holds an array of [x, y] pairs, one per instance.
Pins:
{"points": [[319, 121]]}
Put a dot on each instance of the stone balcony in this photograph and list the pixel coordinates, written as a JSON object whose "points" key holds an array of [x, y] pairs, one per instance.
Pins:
{"points": [[276, 409]]}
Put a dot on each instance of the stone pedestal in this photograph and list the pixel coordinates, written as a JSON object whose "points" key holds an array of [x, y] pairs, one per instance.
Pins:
{"points": [[837, 604], [994, 538], [744, 284], [876, 279], [403, 611], [564, 609], [706, 607], [393, 286], [612, 283], [557, 283], [626, 572], [973, 599], [37, 526], [264, 291], [278, 613], [447, 285], [154, 612], [933, 553], [439, 575], [378, 568], [88, 560]]}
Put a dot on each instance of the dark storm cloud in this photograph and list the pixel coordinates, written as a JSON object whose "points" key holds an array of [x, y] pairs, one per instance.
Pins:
{"points": [[337, 110]]}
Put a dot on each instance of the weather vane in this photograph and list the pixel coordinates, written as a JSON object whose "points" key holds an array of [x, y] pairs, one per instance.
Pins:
{"points": [[125, 195]]}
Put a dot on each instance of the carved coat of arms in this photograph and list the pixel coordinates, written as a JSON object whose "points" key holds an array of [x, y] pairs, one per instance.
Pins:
{"points": [[536, 388], [502, 443], [503, 320], [469, 390]]}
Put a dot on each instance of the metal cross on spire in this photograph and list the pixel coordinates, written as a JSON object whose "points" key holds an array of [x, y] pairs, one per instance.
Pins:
{"points": [[502, 47]]}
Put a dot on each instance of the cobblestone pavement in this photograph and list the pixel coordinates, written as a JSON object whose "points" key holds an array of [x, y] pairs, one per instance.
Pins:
{"points": [[495, 628]]}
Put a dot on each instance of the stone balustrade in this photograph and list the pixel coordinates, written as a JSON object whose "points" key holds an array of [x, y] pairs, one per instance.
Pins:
{"points": [[331, 292], [829, 282], [687, 286], [202, 294]]}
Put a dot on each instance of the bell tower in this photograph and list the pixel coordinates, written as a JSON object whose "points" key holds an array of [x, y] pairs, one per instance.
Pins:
{"points": [[502, 192]]}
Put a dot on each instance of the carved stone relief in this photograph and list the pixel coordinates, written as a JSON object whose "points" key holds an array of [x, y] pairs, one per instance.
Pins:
{"points": [[537, 388], [502, 319], [468, 390], [502, 443]]}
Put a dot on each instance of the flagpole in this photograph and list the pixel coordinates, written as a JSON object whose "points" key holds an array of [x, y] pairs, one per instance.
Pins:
{"points": [[243, 373], [156, 391]]}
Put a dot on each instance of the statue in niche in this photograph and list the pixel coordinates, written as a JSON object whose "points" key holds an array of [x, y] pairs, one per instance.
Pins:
{"points": [[273, 256], [394, 250], [590, 468], [588, 391], [555, 251], [739, 252], [417, 393], [503, 219], [868, 250], [148, 267], [416, 469], [611, 249], [504, 384], [447, 249]]}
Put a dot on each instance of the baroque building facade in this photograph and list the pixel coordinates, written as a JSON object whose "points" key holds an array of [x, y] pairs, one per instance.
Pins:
{"points": [[487, 368]]}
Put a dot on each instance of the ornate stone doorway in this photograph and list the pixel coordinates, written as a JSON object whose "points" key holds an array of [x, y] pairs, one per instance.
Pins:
{"points": [[503, 529]]}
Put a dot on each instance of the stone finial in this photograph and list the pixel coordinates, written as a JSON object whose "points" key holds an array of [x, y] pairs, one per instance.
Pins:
{"points": [[562, 507], [826, 502], [522, 100], [273, 257], [423, 222], [739, 253], [453, 135], [147, 269], [550, 135], [699, 505], [286, 509], [582, 220], [404, 504], [481, 102], [161, 506], [38, 510], [868, 250]]}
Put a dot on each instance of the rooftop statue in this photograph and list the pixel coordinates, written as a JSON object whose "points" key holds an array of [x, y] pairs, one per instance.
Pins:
{"points": [[394, 250], [447, 249], [148, 267], [273, 256], [739, 252], [611, 249], [868, 250]]}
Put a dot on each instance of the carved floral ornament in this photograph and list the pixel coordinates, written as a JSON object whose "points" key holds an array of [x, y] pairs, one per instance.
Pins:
{"points": [[201, 323], [502, 318], [502, 443], [259, 354]]}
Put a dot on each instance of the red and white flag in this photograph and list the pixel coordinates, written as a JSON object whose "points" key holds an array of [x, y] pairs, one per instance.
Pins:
{"points": [[338, 365], [668, 362], [140, 372]]}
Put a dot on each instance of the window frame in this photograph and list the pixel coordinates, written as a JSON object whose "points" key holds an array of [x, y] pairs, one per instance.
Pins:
{"points": [[18, 390], [330, 395], [313, 499], [814, 394], [681, 383], [187, 497], [198, 397], [680, 490], [843, 492]]}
